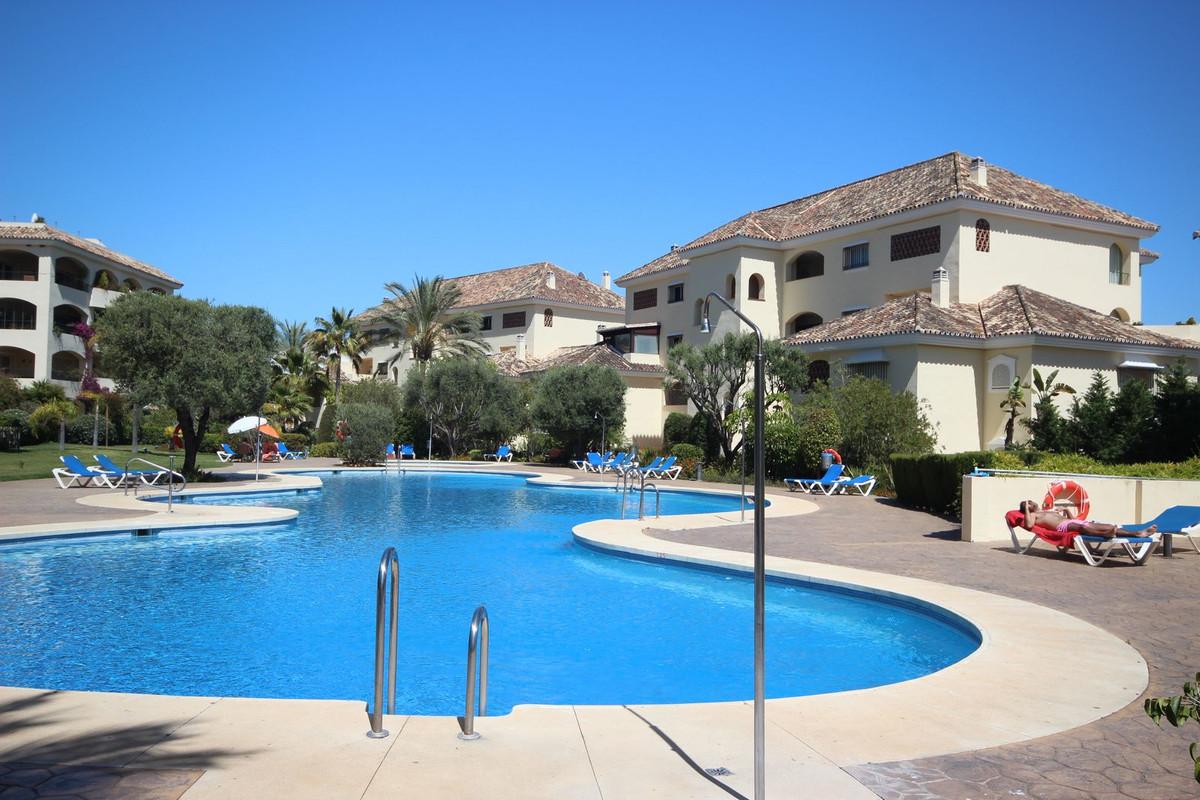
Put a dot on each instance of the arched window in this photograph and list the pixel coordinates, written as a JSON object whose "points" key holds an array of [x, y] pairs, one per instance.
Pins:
{"points": [[802, 322], [1001, 376], [67, 316], [1120, 314], [806, 265], [730, 286], [70, 273], [818, 371], [104, 280], [699, 315], [1116, 266], [756, 287], [983, 235], [548, 318], [130, 285], [16, 265], [17, 315]]}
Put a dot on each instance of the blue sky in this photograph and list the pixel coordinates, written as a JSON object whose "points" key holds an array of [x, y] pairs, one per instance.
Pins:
{"points": [[299, 155]]}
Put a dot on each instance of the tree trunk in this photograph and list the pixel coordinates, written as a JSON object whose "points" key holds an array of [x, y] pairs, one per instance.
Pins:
{"points": [[337, 379], [62, 434], [193, 431], [96, 424], [137, 419]]}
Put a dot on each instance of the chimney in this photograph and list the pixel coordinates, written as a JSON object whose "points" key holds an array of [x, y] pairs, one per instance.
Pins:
{"points": [[979, 171], [606, 278], [520, 347], [941, 288], [551, 280], [37, 219]]}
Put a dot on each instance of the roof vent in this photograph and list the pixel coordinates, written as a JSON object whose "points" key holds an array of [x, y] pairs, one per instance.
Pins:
{"points": [[37, 219], [940, 295], [979, 171]]}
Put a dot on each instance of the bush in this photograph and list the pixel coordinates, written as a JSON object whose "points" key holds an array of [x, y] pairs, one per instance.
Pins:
{"points": [[324, 450], [688, 457], [933, 482], [877, 422], [325, 428], [475, 455], [370, 430], [80, 429], [18, 419], [676, 429], [10, 392], [296, 442], [819, 430]]}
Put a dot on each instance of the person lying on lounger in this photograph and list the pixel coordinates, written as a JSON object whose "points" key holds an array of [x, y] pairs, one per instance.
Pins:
{"points": [[1065, 523]]}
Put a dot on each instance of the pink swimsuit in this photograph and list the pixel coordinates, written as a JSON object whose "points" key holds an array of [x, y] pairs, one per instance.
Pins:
{"points": [[1065, 525]]}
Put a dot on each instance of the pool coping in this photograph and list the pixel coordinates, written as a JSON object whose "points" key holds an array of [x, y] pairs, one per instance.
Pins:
{"points": [[1014, 687]]}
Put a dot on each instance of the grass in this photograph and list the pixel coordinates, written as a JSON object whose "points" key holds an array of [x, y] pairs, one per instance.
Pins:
{"points": [[36, 461]]}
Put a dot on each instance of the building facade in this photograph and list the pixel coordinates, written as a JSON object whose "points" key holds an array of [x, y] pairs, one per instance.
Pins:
{"points": [[50, 281], [799, 268]]}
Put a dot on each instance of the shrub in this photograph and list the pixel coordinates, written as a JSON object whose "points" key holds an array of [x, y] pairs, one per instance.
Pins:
{"points": [[212, 442], [370, 430], [819, 430], [933, 481], [475, 455], [40, 392], [80, 429], [10, 392], [295, 441], [877, 422], [324, 450], [18, 419], [689, 456], [325, 427], [567, 399], [676, 429]]}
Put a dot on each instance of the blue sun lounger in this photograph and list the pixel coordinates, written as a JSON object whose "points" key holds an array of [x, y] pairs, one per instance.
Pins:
{"points": [[407, 451], [826, 484], [1175, 521], [227, 453], [503, 453], [74, 472], [114, 470], [284, 453]]}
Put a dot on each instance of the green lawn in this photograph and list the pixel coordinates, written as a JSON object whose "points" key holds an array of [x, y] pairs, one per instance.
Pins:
{"points": [[36, 461]]}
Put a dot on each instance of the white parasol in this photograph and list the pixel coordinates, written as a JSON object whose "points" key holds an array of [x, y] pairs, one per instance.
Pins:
{"points": [[245, 425]]}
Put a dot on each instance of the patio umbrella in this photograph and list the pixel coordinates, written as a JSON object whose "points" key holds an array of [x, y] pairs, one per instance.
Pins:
{"points": [[256, 424]]}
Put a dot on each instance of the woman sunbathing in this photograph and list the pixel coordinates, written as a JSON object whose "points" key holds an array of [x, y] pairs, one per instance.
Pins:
{"points": [[1065, 523]]}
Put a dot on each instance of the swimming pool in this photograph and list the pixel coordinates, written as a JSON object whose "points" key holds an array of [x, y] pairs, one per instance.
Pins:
{"points": [[287, 610]]}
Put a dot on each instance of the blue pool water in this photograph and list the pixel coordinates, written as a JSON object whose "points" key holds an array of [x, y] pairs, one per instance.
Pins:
{"points": [[288, 610]]}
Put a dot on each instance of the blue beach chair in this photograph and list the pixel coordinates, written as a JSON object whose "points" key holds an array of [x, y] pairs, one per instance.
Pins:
{"points": [[1176, 521], [227, 453], [863, 484], [407, 451], [75, 472], [503, 453], [284, 453], [827, 484], [114, 470]]}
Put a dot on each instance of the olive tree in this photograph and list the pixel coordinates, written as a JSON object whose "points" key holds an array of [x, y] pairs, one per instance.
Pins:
{"points": [[199, 359], [462, 396], [572, 403]]}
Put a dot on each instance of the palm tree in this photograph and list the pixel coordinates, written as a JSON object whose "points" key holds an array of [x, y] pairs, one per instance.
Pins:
{"points": [[335, 338], [1012, 403], [425, 318], [292, 334], [288, 401]]}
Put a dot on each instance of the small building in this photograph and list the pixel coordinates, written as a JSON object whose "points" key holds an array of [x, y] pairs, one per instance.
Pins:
{"points": [[528, 312], [50, 281]]}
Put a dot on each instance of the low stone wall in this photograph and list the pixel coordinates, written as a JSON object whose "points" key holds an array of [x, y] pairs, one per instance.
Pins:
{"points": [[1119, 500]]}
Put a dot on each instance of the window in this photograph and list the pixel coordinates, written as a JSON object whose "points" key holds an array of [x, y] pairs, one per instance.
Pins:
{"points": [[806, 265], [1001, 376], [673, 340], [802, 322], [869, 369], [675, 293], [1127, 374], [818, 371], [922, 242], [17, 315], [675, 396], [730, 287], [548, 318], [855, 256], [645, 343], [756, 287], [646, 298], [514, 319], [1116, 266], [365, 366], [983, 236], [485, 324]]}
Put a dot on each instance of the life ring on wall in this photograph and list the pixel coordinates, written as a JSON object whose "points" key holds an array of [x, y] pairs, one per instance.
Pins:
{"points": [[177, 437], [837, 457], [1067, 493], [342, 430]]}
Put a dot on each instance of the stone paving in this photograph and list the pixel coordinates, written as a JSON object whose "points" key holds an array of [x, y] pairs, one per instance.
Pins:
{"points": [[27, 781], [1125, 755]]}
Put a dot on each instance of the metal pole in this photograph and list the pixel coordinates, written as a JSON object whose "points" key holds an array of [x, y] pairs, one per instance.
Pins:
{"points": [[389, 563], [743, 423], [760, 545], [477, 639], [429, 451]]}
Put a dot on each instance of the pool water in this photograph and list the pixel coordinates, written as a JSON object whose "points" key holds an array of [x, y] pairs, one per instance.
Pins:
{"points": [[288, 610]]}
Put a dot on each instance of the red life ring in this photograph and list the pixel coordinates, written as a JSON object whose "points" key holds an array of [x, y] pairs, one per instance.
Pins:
{"points": [[342, 430], [1067, 493], [177, 437], [837, 457]]}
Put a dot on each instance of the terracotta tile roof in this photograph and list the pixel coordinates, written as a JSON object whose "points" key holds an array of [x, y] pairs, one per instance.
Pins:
{"points": [[599, 353], [527, 282], [1147, 256], [1011, 311], [508, 363], [40, 231], [943, 178]]}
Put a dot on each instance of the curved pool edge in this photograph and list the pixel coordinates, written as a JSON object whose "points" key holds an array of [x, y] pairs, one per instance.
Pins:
{"points": [[1003, 688]]}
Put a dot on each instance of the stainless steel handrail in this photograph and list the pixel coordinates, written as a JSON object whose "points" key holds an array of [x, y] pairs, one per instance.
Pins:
{"points": [[170, 481], [388, 563], [642, 500], [479, 630]]}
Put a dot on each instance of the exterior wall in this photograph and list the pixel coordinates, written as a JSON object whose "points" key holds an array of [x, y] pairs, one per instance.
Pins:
{"points": [[950, 380], [46, 295], [1118, 500], [1189, 332], [839, 290], [1056, 259], [644, 410]]}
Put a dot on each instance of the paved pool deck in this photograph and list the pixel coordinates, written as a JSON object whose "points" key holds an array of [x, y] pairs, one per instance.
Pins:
{"points": [[929, 738]]}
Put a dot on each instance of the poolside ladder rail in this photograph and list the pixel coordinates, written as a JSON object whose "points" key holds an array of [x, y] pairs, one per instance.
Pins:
{"points": [[642, 501], [477, 642], [389, 564], [172, 475]]}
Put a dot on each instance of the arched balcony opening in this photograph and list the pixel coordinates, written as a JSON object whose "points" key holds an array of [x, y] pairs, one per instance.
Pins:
{"points": [[130, 285], [66, 366], [757, 287], [67, 316], [730, 287], [818, 371], [17, 315], [806, 265], [16, 363], [802, 322], [17, 265], [156, 290], [71, 273], [105, 280]]}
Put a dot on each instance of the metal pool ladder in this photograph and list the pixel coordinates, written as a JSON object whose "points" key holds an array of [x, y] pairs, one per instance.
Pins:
{"points": [[171, 476], [388, 564], [624, 486], [479, 631]]}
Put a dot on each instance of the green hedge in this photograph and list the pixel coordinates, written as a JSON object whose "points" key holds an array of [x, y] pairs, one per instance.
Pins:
{"points": [[933, 482], [324, 450]]}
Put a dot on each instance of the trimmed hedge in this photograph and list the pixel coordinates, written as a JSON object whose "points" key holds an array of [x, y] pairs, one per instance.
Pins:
{"points": [[324, 450], [933, 482]]}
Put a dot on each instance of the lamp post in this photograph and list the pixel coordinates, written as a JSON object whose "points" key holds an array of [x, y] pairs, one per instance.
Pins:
{"points": [[760, 542], [603, 432]]}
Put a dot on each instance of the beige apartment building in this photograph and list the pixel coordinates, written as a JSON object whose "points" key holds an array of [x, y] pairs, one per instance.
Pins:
{"points": [[868, 277], [51, 280], [529, 312]]}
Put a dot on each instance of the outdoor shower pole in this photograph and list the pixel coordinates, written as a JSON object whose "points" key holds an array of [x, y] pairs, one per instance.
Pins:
{"points": [[760, 544]]}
